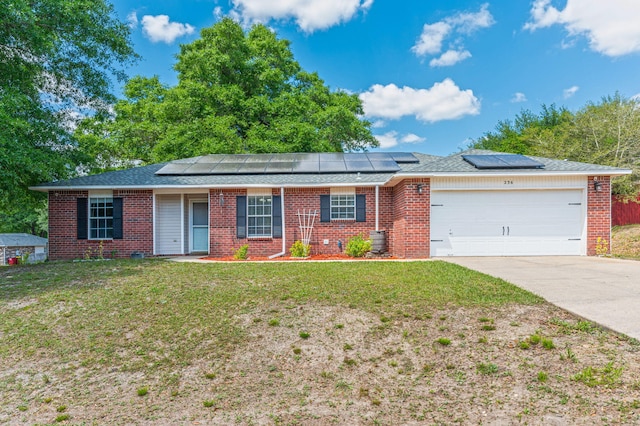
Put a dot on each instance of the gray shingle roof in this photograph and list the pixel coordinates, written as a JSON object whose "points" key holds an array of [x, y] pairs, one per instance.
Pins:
{"points": [[429, 165], [21, 240]]}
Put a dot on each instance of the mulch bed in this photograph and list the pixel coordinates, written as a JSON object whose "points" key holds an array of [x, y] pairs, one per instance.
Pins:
{"points": [[315, 257]]}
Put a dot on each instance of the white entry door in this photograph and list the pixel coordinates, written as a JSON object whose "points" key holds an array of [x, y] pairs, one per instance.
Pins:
{"points": [[199, 226], [507, 223]]}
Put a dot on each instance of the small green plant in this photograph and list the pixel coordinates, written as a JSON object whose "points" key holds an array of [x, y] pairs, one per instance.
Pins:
{"points": [[523, 344], [241, 252], [542, 377], [488, 327], [143, 391], [62, 418], [210, 375], [300, 249], [347, 347], [338, 326], [487, 369], [548, 344], [570, 356], [602, 246], [61, 408], [485, 319], [607, 376], [444, 341], [304, 335], [483, 339], [274, 322], [22, 408], [297, 351], [357, 246], [534, 339], [349, 361], [208, 403], [47, 400]]}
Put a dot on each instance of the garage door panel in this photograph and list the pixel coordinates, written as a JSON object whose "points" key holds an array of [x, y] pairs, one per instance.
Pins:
{"points": [[499, 223]]}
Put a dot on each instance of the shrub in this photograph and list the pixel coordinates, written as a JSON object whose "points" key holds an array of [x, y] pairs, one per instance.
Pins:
{"points": [[357, 246], [241, 252], [300, 249]]}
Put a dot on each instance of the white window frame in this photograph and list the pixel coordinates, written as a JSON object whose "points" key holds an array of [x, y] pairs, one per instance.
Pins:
{"points": [[343, 204], [259, 215], [99, 214]]}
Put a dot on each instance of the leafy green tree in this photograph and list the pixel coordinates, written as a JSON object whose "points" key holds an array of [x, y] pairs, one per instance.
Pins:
{"points": [[237, 92], [56, 60], [606, 133]]}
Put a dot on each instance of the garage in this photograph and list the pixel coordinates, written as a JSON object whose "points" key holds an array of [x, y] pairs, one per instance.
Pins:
{"points": [[500, 222]]}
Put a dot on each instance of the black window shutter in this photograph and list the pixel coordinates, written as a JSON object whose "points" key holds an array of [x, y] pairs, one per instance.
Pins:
{"points": [[117, 218], [82, 218], [361, 208], [241, 216], [276, 216], [325, 208]]}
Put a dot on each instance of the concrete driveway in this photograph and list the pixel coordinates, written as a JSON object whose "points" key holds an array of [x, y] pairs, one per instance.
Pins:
{"points": [[605, 291]]}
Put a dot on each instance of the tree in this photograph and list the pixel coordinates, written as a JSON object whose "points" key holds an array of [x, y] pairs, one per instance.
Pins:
{"points": [[605, 133], [56, 61], [237, 92]]}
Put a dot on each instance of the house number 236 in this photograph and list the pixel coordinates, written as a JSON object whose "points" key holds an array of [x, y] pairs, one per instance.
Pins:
{"points": [[508, 182]]}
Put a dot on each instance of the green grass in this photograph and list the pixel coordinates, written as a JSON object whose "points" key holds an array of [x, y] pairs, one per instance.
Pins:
{"points": [[117, 312]]}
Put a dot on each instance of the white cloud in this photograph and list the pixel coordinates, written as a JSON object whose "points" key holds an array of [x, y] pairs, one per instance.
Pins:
{"points": [[450, 57], [132, 20], [309, 15], [468, 23], [378, 124], [443, 101], [610, 26], [434, 35], [158, 28], [518, 97], [567, 93], [412, 138], [388, 140], [430, 41], [391, 139]]}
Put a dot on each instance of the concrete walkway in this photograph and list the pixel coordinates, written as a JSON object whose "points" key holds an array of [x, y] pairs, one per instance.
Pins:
{"points": [[602, 290]]}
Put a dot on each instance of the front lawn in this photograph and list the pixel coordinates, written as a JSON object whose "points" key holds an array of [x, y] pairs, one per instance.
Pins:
{"points": [[131, 342]]}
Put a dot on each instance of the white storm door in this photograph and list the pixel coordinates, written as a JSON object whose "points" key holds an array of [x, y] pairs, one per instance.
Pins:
{"points": [[199, 226]]}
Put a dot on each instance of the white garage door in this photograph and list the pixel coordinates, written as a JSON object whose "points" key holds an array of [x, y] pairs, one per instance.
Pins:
{"points": [[507, 223]]}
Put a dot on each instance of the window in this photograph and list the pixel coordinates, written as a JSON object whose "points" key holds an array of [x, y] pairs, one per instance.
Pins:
{"points": [[259, 215], [100, 218], [343, 206]]}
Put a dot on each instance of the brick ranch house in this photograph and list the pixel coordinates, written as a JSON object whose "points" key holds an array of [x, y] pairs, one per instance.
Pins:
{"points": [[473, 203]]}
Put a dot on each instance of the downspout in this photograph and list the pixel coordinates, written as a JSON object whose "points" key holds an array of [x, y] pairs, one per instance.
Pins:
{"points": [[284, 235], [377, 206]]}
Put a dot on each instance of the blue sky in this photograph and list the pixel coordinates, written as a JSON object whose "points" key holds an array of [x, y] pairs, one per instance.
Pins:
{"points": [[432, 74]]}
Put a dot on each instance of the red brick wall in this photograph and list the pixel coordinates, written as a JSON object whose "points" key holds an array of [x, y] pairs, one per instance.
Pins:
{"points": [[223, 239], [137, 207], [598, 215], [410, 217]]}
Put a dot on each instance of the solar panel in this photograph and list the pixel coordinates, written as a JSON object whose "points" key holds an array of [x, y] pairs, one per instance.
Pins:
{"points": [[331, 162], [333, 167], [502, 161], [403, 157]]}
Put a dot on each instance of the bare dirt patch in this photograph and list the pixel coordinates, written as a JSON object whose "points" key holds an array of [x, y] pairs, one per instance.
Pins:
{"points": [[314, 364]]}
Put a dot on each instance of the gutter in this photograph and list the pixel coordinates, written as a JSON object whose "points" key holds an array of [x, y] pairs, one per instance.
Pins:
{"points": [[284, 235]]}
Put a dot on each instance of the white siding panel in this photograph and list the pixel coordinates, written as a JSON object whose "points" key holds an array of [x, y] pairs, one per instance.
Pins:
{"points": [[512, 182], [169, 227]]}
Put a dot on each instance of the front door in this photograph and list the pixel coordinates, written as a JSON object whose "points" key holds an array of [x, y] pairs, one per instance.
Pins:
{"points": [[199, 226]]}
